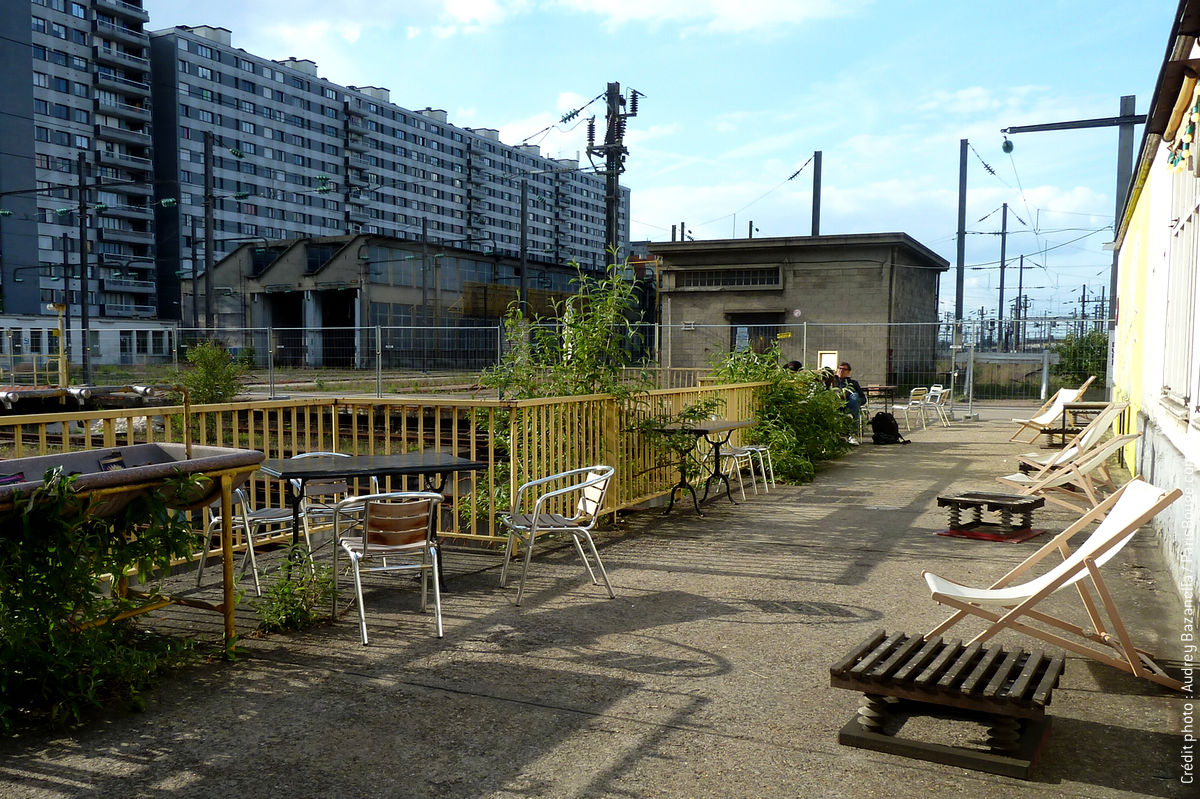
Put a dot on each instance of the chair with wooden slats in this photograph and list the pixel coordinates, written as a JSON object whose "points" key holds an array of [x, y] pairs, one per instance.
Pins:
{"points": [[398, 531]]}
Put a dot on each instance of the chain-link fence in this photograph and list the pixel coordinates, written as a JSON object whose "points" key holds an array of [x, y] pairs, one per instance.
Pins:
{"points": [[1025, 362]]}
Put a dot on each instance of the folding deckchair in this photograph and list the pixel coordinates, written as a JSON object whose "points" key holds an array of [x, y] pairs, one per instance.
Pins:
{"points": [[1051, 412], [1014, 605], [1083, 442], [1078, 484]]}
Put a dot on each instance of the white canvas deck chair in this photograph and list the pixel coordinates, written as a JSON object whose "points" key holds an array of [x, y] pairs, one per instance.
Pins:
{"points": [[1083, 442], [1007, 604], [1079, 484], [1050, 414]]}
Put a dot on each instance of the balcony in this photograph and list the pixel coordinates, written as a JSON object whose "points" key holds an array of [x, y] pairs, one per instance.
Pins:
{"points": [[127, 285], [128, 236], [133, 138], [121, 9], [358, 180], [138, 212], [356, 145], [357, 197], [108, 158], [119, 58], [120, 33], [107, 80], [132, 113]]}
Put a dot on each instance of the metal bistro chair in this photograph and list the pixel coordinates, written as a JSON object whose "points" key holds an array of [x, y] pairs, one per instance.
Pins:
{"points": [[253, 522], [396, 526], [916, 404], [935, 402], [320, 499], [533, 515]]}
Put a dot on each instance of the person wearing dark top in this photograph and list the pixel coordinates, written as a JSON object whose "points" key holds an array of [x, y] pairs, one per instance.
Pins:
{"points": [[851, 391]]}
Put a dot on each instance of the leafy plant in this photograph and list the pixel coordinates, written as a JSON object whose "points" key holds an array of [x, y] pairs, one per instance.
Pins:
{"points": [[584, 349], [798, 419], [63, 649], [215, 375], [292, 599], [1079, 357]]}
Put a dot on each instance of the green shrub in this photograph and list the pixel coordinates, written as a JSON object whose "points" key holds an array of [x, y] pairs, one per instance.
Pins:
{"points": [[215, 375], [798, 418], [62, 650], [295, 599]]}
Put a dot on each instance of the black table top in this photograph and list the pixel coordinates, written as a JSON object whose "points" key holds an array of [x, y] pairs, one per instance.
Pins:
{"points": [[707, 428], [410, 463]]}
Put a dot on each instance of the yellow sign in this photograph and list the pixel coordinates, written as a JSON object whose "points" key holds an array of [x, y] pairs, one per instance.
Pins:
{"points": [[784, 334]]}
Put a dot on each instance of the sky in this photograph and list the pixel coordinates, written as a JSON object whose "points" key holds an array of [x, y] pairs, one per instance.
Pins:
{"points": [[739, 94]]}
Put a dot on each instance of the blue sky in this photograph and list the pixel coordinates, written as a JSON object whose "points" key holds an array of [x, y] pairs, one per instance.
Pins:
{"points": [[738, 95]]}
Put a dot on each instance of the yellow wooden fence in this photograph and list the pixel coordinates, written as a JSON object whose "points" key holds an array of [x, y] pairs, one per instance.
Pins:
{"points": [[544, 436]]}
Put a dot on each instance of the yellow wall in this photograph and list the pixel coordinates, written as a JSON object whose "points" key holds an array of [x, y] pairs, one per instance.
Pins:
{"points": [[1134, 268]]}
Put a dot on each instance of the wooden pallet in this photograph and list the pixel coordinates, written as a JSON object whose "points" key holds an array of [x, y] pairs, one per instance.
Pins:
{"points": [[901, 675]]}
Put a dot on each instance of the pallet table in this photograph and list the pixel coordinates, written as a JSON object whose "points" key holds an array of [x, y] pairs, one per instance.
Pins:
{"points": [[1007, 506], [899, 674]]}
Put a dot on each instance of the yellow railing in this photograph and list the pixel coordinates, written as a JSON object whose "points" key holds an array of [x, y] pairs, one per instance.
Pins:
{"points": [[543, 436]]}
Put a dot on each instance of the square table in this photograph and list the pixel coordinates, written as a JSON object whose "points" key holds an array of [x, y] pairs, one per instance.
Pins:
{"points": [[435, 467], [716, 433]]}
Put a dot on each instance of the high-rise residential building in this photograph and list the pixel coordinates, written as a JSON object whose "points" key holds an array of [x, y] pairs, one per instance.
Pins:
{"points": [[291, 155], [81, 118]]}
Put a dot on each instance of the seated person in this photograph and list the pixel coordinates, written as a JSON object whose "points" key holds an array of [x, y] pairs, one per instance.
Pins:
{"points": [[851, 390]]}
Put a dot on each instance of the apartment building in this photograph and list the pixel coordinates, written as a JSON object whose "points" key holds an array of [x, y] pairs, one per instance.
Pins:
{"points": [[76, 111], [293, 155], [95, 98]]}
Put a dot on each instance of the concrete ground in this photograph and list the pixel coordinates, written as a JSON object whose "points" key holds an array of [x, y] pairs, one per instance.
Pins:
{"points": [[707, 676]]}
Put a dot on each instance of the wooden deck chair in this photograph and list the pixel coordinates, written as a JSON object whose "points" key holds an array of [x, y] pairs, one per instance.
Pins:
{"points": [[1083, 442], [1049, 414], [1006, 604], [1079, 484]]}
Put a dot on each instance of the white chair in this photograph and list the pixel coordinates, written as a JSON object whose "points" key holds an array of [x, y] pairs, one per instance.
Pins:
{"points": [[1085, 440], [541, 507], [1006, 604], [916, 404], [766, 466], [1051, 412], [1079, 484], [253, 521], [396, 526], [935, 402]]}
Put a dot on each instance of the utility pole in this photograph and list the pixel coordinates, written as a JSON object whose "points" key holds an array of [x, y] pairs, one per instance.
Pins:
{"points": [[523, 300], [83, 272], [66, 247], [1017, 337], [1124, 122], [613, 151], [1003, 245], [960, 268], [816, 201], [210, 321]]}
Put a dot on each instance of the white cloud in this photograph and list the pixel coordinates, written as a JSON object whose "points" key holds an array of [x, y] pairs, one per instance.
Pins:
{"points": [[714, 16]]}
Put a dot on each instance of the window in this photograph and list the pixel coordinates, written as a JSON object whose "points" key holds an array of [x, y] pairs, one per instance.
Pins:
{"points": [[83, 142], [58, 31], [1180, 317], [203, 50], [41, 80], [705, 278], [203, 72], [39, 25]]}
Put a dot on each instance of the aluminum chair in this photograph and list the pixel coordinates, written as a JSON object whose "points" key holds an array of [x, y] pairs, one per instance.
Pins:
{"points": [[321, 498], [935, 402], [395, 526], [253, 521], [916, 404], [541, 507]]}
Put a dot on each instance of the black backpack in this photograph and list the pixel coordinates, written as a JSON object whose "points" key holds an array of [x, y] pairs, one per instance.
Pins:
{"points": [[885, 430]]}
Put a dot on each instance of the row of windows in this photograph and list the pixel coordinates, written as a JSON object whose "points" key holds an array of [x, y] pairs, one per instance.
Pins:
{"points": [[62, 137], [60, 58], [704, 278], [60, 111], [77, 9]]}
